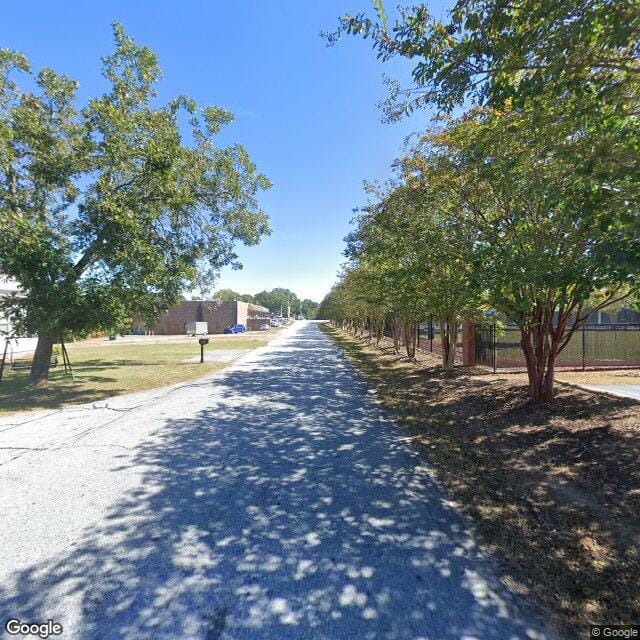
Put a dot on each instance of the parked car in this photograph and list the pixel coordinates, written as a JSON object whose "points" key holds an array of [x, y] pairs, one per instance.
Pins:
{"points": [[264, 327], [235, 328]]}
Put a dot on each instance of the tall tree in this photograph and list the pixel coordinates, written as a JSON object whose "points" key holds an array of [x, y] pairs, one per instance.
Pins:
{"points": [[549, 171], [309, 308], [420, 246], [278, 300], [230, 294], [106, 211], [445, 243], [554, 243], [491, 51]]}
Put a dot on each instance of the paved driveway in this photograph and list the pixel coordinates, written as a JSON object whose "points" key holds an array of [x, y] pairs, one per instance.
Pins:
{"points": [[271, 500], [622, 390]]}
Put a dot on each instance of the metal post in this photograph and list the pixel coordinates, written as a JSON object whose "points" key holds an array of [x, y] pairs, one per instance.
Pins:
{"points": [[202, 342], [65, 359], [4, 356], [584, 349], [495, 346], [431, 334]]}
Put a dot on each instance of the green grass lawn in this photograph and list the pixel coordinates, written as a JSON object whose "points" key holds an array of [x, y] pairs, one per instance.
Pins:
{"points": [[112, 369]]}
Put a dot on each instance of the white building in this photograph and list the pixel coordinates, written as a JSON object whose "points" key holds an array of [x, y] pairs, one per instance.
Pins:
{"points": [[9, 287]]}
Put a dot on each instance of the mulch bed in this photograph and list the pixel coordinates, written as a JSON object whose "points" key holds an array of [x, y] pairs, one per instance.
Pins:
{"points": [[554, 491]]}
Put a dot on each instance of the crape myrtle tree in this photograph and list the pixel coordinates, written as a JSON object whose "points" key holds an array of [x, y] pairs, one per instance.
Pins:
{"points": [[330, 308], [370, 271], [491, 51], [107, 210], [549, 169], [359, 309], [444, 245], [363, 300], [343, 305], [489, 212], [382, 243], [554, 244], [333, 307], [418, 239]]}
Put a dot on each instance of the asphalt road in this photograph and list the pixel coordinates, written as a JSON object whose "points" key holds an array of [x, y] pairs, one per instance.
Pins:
{"points": [[271, 500]]}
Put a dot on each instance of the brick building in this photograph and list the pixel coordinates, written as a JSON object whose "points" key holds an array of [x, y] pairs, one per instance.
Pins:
{"points": [[218, 314]]}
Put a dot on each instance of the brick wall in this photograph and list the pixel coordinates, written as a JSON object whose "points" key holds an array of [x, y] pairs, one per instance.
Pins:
{"points": [[218, 314], [242, 312], [253, 324], [251, 315]]}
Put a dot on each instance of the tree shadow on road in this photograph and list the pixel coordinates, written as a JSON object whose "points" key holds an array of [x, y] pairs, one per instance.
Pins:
{"points": [[290, 508], [553, 490]]}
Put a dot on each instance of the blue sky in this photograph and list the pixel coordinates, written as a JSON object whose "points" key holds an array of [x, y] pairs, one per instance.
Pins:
{"points": [[306, 113]]}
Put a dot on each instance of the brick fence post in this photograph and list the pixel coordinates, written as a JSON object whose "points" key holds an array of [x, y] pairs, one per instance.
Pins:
{"points": [[469, 344]]}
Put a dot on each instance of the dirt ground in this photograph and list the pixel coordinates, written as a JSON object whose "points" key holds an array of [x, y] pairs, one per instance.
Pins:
{"points": [[554, 491]]}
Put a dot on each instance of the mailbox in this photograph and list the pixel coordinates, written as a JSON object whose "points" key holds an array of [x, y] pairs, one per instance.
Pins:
{"points": [[202, 342]]}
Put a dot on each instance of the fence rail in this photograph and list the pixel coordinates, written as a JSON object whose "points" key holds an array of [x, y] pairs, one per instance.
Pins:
{"points": [[428, 338], [591, 346], [485, 345]]}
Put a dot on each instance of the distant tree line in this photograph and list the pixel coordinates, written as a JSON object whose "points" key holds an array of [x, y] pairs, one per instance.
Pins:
{"points": [[277, 300]]}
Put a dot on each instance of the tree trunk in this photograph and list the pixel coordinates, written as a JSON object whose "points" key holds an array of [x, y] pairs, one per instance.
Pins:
{"points": [[449, 340], [541, 361], [379, 331], [409, 329], [396, 330], [533, 372], [548, 387], [41, 360]]}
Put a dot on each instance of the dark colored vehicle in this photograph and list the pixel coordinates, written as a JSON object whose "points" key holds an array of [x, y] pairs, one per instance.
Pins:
{"points": [[235, 328]]}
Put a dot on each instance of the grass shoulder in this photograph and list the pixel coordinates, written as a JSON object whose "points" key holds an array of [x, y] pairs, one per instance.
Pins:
{"points": [[103, 369], [553, 491]]}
